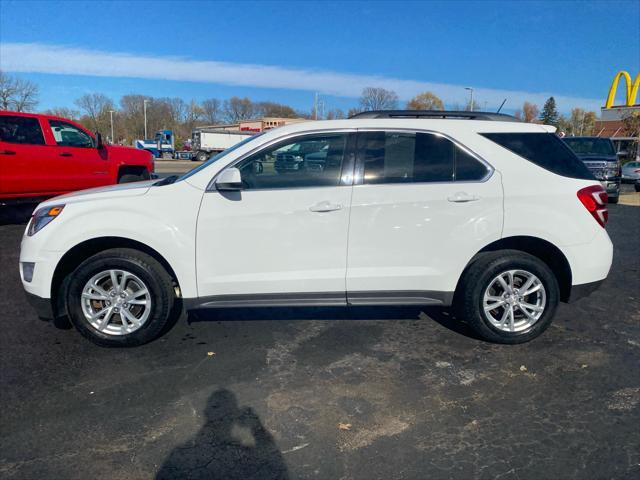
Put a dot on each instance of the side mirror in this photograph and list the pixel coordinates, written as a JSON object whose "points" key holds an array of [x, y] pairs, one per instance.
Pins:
{"points": [[99, 143], [229, 180]]}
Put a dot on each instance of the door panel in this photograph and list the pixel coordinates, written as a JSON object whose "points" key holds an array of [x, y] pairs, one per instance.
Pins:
{"points": [[286, 231], [23, 157], [76, 163], [255, 242], [411, 237]]}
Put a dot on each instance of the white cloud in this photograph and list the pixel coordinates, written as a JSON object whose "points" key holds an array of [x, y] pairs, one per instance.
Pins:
{"points": [[63, 60]]}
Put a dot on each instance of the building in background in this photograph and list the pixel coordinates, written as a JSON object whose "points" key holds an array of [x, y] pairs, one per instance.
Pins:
{"points": [[256, 126]]}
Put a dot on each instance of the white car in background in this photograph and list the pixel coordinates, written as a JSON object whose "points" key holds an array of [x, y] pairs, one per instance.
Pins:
{"points": [[495, 217], [631, 171]]}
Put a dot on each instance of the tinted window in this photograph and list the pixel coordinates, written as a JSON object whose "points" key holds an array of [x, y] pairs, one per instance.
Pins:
{"points": [[590, 146], [67, 135], [545, 150], [310, 161], [391, 157], [469, 168], [20, 130]]}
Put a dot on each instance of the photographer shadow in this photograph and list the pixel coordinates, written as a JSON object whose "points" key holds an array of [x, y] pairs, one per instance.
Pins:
{"points": [[232, 444]]}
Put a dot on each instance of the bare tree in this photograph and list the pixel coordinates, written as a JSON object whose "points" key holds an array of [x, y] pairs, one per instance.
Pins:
{"points": [[530, 112], [375, 98], [273, 109], [211, 110], [64, 112], [335, 114], [17, 94], [96, 106], [425, 101], [237, 109]]}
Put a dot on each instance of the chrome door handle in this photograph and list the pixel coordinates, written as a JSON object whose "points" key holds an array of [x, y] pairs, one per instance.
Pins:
{"points": [[325, 207], [462, 197]]}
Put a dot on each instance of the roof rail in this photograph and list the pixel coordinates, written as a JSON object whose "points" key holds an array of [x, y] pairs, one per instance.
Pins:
{"points": [[442, 114]]}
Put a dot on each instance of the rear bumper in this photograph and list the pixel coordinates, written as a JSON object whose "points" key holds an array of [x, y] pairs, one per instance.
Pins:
{"points": [[42, 306], [583, 290]]}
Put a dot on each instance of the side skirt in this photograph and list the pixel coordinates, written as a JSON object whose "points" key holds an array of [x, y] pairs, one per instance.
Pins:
{"points": [[323, 299]]}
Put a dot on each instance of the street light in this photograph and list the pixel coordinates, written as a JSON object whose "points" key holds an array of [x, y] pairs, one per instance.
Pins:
{"points": [[111, 116], [144, 102], [471, 100]]}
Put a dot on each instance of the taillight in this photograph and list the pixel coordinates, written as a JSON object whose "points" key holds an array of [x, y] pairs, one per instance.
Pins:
{"points": [[594, 199]]}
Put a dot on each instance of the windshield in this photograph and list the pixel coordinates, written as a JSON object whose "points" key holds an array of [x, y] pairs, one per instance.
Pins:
{"points": [[217, 157], [590, 146]]}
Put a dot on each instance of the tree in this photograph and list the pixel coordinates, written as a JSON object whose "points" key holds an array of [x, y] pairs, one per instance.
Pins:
{"points": [[549, 115], [425, 101], [529, 112], [272, 109], [631, 125], [211, 110], [335, 114], [237, 109], [581, 122], [17, 94], [375, 98], [64, 112], [96, 107]]}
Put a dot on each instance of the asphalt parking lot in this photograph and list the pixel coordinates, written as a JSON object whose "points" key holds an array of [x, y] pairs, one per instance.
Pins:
{"points": [[367, 393]]}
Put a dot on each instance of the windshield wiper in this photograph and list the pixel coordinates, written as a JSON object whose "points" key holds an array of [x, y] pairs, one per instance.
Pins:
{"points": [[167, 180]]}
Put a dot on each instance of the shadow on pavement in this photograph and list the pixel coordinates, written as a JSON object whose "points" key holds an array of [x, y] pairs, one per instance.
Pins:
{"points": [[441, 315], [232, 444]]}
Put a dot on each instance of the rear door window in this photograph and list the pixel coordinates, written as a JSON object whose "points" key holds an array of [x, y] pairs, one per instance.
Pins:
{"points": [[545, 150], [25, 130], [407, 157], [67, 135]]}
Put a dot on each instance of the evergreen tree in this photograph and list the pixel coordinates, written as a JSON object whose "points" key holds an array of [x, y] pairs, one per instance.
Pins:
{"points": [[549, 115]]}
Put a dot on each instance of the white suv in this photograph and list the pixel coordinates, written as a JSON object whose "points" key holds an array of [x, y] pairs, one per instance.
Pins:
{"points": [[494, 216]]}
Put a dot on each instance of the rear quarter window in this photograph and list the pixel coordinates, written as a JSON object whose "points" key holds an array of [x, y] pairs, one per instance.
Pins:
{"points": [[545, 150]]}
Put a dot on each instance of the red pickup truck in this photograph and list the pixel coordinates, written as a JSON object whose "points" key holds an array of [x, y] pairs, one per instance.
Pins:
{"points": [[43, 156]]}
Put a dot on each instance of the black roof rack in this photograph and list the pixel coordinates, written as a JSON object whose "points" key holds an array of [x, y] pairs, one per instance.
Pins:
{"points": [[443, 114]]}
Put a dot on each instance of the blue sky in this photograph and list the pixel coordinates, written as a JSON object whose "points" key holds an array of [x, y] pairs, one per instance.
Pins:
{"points": [[285, 51]]}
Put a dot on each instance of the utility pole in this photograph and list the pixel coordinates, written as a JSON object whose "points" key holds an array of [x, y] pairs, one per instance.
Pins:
{"points": [[144, 103], [112, 138], [315, 107], [470, 101]]}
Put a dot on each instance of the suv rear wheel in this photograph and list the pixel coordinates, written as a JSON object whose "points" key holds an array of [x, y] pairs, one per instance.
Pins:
{"points": [[120, 297], [508, 296]]}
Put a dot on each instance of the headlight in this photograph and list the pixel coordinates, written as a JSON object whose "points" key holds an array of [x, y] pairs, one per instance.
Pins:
{"points": [[42, 217], [612, 173]]}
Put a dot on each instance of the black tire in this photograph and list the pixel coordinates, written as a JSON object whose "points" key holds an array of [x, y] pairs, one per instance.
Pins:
{"points": [[202, 156], [637, 187], [477, 277], [613, 199], [149, 270]]}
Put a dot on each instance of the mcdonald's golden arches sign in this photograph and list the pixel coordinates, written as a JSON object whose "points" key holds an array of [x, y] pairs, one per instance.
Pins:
{"points": [[632, 89]]}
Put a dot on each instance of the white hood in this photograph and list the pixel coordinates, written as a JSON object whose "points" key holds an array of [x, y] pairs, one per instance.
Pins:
{"points": [[102, 193]]}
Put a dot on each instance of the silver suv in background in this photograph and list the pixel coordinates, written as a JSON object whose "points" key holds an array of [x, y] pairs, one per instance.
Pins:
{"points": [[599, 155]]}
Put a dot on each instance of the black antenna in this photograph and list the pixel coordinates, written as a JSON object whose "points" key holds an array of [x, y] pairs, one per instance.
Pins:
{"points": [[502, 105]]}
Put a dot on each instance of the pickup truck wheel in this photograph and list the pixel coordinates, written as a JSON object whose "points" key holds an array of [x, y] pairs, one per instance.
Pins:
{"points": [[130, 177], [613, 199], [120, 298], [508, 296]]}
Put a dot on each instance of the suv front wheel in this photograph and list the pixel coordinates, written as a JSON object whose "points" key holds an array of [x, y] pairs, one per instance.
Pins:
{"points": [[508, 296], [120, 297]]}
